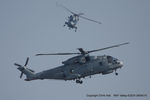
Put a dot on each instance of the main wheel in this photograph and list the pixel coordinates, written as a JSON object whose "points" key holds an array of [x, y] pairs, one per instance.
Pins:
{"points": [[75, 29], [116, 73], [79, 81]]}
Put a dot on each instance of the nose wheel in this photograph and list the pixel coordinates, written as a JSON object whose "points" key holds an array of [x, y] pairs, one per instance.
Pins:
{"points": [[79, 81], [75, 29], [116, 73]]}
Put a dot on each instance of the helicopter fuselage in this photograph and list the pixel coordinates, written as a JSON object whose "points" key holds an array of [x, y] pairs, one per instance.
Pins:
{"points": [[72, 21], [97, 64], [76, 67]]}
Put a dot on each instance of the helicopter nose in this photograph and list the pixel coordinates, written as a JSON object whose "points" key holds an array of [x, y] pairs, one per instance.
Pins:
{"points": [[120, 64]]}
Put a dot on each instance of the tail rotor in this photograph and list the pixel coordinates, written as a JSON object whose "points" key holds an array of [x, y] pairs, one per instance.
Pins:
{"points": [[21, 68]]}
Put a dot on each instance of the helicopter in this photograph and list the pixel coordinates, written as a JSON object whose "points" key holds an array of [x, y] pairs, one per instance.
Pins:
{"points": [[73, 19], [77, 67]]}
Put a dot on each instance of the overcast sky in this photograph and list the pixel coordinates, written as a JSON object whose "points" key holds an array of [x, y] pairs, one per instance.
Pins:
{"points": [[28, 27]]}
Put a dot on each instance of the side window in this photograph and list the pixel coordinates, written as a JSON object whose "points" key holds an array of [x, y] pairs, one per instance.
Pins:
{"points": [[100, 63], [71, 71]]}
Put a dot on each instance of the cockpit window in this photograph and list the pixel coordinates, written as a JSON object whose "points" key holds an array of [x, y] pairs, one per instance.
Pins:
{"points": [[112, 60], [115, 60], [109, 58]]}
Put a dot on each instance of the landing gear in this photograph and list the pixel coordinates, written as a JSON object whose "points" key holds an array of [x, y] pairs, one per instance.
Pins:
{"points": [[79, 81], [65, 24], [75, 29], [116, 73]]}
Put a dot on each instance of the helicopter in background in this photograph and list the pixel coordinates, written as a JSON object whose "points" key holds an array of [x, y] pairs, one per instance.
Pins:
{"points": [[73, 19], [77, 67]]}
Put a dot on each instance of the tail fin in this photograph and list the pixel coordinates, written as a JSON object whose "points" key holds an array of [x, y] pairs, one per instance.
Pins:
{"points": [[24, 70]]}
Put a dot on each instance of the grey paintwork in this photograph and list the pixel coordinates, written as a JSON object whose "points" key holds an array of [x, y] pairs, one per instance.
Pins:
{"points": [[74, 18], [71, 22], [76, 67], [75, 70]]}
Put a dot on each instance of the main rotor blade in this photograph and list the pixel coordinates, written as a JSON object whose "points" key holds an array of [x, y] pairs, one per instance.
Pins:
{"points": [[108, 47], [27, 61], [17, 65], [90, 20], [80, 14], [57, 54], [67, 9]]}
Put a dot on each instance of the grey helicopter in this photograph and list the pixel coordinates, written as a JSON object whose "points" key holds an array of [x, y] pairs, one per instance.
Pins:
{"points": [[73, 19], [77, 67]]}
